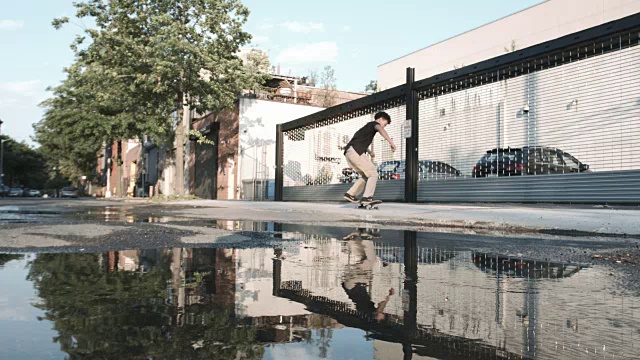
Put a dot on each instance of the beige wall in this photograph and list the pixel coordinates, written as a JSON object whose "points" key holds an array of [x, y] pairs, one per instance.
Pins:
{"points": [[547, 21]]}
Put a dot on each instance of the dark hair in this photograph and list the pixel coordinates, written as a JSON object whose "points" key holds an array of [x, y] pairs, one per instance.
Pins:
{"points": [[383, 115]]}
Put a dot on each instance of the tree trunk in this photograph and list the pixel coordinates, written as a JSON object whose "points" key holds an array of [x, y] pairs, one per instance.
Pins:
{"points": [[181, 129], [119, 169]]}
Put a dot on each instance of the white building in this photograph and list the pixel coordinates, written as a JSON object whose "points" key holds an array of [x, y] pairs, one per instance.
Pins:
{"points": [[587, 108], [543, 22]]}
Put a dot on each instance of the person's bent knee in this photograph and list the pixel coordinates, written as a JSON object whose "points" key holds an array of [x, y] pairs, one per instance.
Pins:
{"points": [[371, 174]]}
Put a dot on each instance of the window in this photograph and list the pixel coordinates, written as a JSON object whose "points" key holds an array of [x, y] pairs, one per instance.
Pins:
{"points": [[570, 161], [388, 167], [502, 156]]}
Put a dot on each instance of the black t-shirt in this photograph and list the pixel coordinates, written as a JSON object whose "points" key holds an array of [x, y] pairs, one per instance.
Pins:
{"points": [[361, 298], [363, 138]]}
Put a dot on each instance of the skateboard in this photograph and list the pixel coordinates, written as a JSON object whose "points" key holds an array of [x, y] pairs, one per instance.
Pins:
{"points": [[371, 206]]}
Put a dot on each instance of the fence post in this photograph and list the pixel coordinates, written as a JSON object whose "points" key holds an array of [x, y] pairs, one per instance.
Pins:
{"points": [[279, 163], [410, 291], [411, 135]]}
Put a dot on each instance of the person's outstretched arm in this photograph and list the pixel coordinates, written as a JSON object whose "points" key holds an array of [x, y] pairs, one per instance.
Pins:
{"points": [[385, 135]]}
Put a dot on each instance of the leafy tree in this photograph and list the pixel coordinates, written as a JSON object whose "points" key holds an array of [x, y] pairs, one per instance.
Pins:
{"points": [[23, 165], [312, 78], [372, 87], [102, 314], [149, 60], [257, 62], [328, 82], [6, 258], [74, 125]]}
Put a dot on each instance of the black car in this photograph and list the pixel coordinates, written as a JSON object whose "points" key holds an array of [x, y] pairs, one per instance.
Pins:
{"points": [[535, 160], [428, 169]]}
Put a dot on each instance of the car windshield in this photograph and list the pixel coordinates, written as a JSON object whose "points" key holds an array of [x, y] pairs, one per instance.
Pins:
{"points": [[506, 155], [388, 167]]}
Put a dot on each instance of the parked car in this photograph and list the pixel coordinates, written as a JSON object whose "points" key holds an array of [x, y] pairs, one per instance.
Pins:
{"points": [[69, 192], [428, 169], [4, 190], [348, 175], [533, 160], [16, 192], [34, 193]]}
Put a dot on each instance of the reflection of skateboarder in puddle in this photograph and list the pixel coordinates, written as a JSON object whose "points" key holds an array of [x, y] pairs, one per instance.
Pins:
{"points": [[357, 276], [363, 234]]}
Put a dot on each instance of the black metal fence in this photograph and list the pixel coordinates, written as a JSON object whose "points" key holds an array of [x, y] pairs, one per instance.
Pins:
{"points": [[555, 122]]}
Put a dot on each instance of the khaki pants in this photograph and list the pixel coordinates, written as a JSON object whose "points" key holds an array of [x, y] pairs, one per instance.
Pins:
{"points": [[363, 165]]}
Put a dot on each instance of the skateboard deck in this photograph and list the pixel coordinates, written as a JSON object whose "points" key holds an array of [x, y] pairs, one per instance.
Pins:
{"points": [[370, 206]]}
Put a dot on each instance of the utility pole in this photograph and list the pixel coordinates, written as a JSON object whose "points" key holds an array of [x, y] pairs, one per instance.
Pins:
{"points": [[2, 141], [1, 156]]}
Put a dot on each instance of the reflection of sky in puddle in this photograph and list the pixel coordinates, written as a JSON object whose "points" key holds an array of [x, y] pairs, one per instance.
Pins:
{"points": [[313, 297], [120, 214], [16, 215], [21, 335]]}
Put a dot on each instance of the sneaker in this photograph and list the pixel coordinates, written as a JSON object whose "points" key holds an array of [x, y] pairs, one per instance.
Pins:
{"points": [[350, 198], [366, 200]]}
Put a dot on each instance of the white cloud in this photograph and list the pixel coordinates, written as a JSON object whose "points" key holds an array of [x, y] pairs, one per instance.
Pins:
{"points": [[302, 27], [346, 28], [257, 39], [11, 24], [22, 88], [265, 26], [19, 107], [322, 52]]}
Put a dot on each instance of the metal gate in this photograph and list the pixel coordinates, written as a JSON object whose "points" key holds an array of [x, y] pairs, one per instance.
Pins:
{"points": [[556, 122]]}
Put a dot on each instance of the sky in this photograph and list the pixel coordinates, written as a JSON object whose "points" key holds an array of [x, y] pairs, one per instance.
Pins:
{"points": [[353, 37]]}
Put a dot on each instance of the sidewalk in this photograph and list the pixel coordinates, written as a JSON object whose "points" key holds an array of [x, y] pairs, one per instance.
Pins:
{"points": [[552, 219]]}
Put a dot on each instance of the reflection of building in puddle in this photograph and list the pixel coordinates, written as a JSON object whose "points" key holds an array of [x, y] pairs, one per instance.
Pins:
{"points": [[505, 305], [234, 225], [241, 281], [466, 303]]}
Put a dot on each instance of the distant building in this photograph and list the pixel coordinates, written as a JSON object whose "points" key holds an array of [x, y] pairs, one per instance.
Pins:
{"points": [[543, 22]]}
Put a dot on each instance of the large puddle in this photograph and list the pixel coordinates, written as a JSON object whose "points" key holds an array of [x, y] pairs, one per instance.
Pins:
{"points": [[312, 297]]}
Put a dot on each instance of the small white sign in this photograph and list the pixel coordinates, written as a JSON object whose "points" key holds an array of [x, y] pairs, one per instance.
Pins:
{"points": [[406, 300], [407, 128]]}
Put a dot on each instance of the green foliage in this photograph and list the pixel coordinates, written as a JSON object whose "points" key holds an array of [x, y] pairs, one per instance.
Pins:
{"points": [[372, 87], [102, 314], [201, 139], [164, 48], [6, 258], [328, 83], [257, 62], [134, 70], [23, 165]]}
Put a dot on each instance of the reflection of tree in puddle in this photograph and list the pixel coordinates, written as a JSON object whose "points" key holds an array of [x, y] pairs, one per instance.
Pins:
{"points": [[101, 311], [5, 258]]}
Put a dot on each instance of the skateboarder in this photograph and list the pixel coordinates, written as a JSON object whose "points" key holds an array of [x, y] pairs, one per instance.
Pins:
{"points": [[356, 154]]}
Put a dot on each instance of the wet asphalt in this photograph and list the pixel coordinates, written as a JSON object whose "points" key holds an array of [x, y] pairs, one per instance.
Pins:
{"points": [[80, 225]]}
